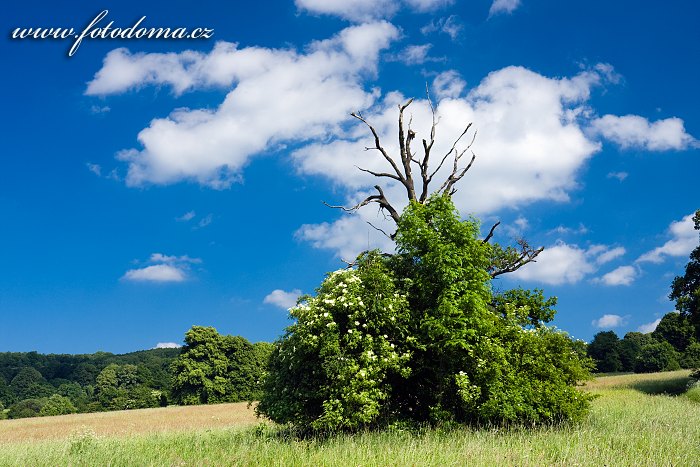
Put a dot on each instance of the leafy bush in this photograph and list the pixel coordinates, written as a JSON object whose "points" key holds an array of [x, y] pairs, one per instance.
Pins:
{"points": [[26, 408], [214, 368], [419, 337], [57, 405], [658, 356], [691, 357], [335, 366]]}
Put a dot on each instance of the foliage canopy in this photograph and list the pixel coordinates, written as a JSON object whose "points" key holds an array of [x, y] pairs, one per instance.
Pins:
{"points": [[419, 336]]}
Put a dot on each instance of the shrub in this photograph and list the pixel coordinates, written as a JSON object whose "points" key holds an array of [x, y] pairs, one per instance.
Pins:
{"points": [[57, 405], [658, 356], [691, 357], [419, 337], [335, 366], [26, 408]]}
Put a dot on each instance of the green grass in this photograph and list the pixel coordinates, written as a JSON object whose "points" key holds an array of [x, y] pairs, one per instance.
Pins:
{"points": [[627, 426]]}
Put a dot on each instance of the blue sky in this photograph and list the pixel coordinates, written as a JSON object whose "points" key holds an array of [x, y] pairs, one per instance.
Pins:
{"points": [[149, 185]]}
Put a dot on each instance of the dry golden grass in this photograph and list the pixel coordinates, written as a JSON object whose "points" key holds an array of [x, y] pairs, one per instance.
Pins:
{"points": [[638, 379], [128, 422]]}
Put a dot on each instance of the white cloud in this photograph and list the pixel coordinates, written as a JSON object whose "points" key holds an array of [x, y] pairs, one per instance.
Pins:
{"points": [[367, 10], [156, 273], [450, 25], [684, 240], [186, 217], [520, 159], [609, 254], [618, 175], [352, 10], [280, 96], [428, 5], [94, 168], [205, 221], [503, 6], [349, 235], [96, 109], [562, 230], [559, 264], [161, 258], [448, 84], [165, 269], [282, 299], [649, 327], [167, 345], [414, 55], [633, 131], [624, 275], [608, 321]]}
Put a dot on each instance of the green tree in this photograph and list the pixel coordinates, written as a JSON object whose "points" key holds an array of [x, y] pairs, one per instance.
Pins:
{"points": [[30, 384], [630, 347], [658, 356], [676, 329], [604, 349], [3, 414], [456, 353], [213, 368], [57, 405], [335, 365], [26, 408], [691, 356], [76, 393], [685, 289]]}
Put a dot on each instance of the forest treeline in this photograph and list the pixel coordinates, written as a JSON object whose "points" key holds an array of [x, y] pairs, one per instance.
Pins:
{"points": [[210, 368], [671, 346], [215, 368]]}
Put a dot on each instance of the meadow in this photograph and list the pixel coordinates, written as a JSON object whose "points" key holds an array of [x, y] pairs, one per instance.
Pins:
{"points": [[636, 420]]}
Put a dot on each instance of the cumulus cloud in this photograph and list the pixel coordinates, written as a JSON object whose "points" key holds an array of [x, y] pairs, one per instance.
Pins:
{"points": [[163, 269], [167, 345], [280, 96], [367, 10], [448, 84], [565, 264], [503, 6], [624, 275], [633, 131], [683, 239], [519, 159], [156, 273], [607, 254], [649, 327], [608, 321], [282, 299]]}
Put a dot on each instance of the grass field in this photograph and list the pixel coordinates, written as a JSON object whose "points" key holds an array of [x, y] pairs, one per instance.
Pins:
{"points": [[632, 423]]}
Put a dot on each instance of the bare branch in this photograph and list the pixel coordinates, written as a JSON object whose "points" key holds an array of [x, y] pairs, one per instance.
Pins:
{"points": [[488, 237], [454, 146], [378, 146], [378, 198], [525, 256], [379, 174], [390, 237]]}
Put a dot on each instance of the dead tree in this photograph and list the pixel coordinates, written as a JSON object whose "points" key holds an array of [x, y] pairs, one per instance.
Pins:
{"points": [[504, 260]]}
